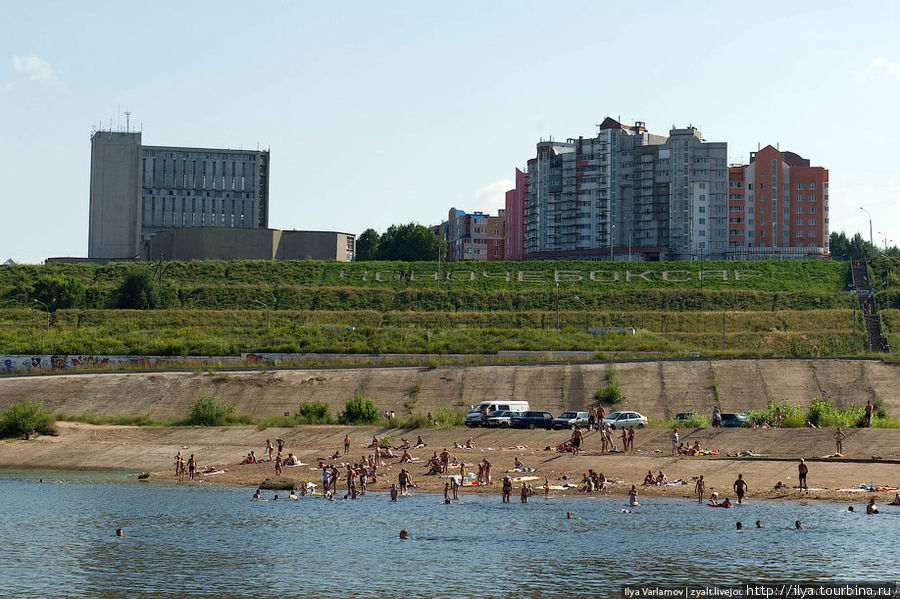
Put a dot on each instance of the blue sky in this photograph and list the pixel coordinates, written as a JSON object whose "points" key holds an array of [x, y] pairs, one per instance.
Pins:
{"points": [[379, 113]]}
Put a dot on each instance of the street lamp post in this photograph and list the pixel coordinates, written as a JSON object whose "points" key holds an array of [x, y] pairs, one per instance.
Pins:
{"points": [[612, 234], [47, 308], [581, 301], [557, 306], [268, 322], [871, 238]]}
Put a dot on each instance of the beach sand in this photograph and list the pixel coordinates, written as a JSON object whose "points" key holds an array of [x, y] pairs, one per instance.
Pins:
{"points": [[151, 449]]}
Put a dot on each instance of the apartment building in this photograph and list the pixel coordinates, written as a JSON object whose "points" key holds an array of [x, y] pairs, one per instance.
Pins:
{"points": [[777, 207], [627, 194], [475, 236], [514, 218], [138, 191]]}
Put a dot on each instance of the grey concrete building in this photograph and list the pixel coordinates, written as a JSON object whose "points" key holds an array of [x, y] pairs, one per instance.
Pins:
{"points": [[227, 243], [627, 193], [138, 191]]}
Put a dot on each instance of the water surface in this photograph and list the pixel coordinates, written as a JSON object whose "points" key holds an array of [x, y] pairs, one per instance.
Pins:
{"points": [[203, 541]]}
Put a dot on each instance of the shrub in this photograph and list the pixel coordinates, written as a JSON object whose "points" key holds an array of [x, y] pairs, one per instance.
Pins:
{"points": [[59, 293], [695, 421], [315, 412], [26, 418], [612, 392], [138, 291], [209, 410], [449, 417], [792, 415], [359, 410]]}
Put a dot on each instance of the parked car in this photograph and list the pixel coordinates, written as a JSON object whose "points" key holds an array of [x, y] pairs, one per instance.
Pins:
{"points": [[571, 420], [532, 419], [625, 419], [683, 416], [500, 418], [483, 411], [735, 419]]}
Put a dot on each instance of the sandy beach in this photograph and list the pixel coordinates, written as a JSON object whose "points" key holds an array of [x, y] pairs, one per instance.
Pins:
{"points": [[871, 456]]}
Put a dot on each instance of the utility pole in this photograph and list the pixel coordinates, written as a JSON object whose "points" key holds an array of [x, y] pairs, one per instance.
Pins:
{"points": [[612, 232], [871, 238], [723, 331]]}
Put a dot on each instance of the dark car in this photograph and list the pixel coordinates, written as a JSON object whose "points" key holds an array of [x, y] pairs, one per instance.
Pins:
{"points": [[735, 419], [683, 416], [533, 419]]}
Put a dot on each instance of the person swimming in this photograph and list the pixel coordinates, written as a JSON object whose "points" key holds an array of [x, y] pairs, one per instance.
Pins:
{"points": [[870, 507], [798, 526], [404, 534], [120, 532], [759, 524], [740, 525]]}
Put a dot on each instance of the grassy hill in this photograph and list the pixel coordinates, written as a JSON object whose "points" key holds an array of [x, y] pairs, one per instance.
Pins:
{"points": [[770, 308]]}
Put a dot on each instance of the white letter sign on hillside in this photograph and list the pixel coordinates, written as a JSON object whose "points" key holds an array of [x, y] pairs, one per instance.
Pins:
{"points": [[497, 275], [668, 276], [531, 276], [605, 276], [567, 275]]}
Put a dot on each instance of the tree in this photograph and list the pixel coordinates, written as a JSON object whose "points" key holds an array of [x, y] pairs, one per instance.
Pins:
{"points": [[367, 246], [410, 243], [137, 292], [59, 293], [857, 248]]}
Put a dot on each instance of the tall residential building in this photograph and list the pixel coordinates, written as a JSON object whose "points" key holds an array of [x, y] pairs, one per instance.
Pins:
{"points": [[514, 222], [138, 191], [472, 236], [627, 192], [777, 207]]}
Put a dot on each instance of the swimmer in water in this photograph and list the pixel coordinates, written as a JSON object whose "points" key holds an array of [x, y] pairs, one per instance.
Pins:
{"points": [[257, 494], [404, 534], [740, 526], [850, 508], [798, 526], [568, 515], [759, 524], [120, 532]]}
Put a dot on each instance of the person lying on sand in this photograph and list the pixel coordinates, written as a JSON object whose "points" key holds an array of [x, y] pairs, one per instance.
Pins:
{"points": [[404, 444], [470, 443], [420, 443]]}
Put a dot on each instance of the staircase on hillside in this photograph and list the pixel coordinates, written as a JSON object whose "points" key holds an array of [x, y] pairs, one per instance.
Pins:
{"points": [[875, 340]]}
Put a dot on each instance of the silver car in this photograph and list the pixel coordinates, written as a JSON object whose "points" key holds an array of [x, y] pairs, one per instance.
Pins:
{"points": [[625, 419]]}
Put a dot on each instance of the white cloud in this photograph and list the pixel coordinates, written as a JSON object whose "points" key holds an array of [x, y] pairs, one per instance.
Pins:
{"points": [[491, 197], [33, 68], [879, 68]]}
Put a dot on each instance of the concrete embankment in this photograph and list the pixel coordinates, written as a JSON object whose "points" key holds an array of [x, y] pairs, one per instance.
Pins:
{"points": [[658, 389]]}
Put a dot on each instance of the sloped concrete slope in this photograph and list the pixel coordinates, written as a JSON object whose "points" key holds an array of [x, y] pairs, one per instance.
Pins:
{"points": [[656, 388]]}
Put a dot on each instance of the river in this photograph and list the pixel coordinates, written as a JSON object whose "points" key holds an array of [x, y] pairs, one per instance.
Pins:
{"points": [[206, 541]]}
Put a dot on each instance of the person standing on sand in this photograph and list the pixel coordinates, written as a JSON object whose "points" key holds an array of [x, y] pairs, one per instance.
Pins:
{"points": [[868, 419], [604, 444], [268, 450], [577, 438], [630, 439], [802, 471], [700, 489], [592, 418], [487, 472], [601, 414], [192, 468], [346, 444], [740, 487], [674, 438], [279, 464], [778, 417], [839, 437], [445, 461]]}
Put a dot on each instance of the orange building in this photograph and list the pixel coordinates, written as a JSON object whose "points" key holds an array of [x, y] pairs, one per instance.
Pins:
{"points": [[777, 207]]}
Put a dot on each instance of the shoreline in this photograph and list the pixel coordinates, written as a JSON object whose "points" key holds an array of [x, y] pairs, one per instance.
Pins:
{"points": [[123, 449]]}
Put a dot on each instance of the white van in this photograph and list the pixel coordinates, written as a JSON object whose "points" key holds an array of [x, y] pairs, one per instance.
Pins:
{"points": [[478, 415]]}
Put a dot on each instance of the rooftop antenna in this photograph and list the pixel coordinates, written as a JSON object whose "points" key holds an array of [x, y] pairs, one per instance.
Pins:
{"points": [[127, 121]]}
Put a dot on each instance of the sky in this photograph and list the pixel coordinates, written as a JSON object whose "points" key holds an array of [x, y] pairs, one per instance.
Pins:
{"points": [[394, 112]]}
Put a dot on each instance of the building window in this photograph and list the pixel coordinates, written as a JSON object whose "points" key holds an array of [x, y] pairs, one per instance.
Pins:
{"points": [[799, 185], [799, 209], [812, 221], [799, 222], [762, 185], [799, 198], [811, 186], [811, 210]]}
